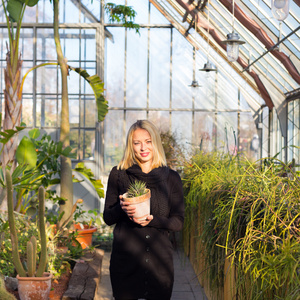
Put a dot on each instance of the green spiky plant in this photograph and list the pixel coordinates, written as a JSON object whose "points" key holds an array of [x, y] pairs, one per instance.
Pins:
{"points": [[32, 244], [4, 294], [136, 189]]}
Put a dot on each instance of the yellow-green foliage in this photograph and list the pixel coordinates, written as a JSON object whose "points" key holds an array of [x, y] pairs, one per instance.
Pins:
{"points": [[4, 294], [249, 211]]}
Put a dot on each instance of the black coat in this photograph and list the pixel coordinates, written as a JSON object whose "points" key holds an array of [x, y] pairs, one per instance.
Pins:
{"points": [[141, 264]]}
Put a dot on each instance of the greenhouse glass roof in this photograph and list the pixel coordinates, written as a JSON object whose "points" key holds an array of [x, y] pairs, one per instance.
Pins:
{"points": [[273, 71]]}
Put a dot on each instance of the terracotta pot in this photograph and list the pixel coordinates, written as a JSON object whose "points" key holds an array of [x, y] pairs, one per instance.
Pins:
{"points": [[85, 235], [141, 203], [34, 288]]}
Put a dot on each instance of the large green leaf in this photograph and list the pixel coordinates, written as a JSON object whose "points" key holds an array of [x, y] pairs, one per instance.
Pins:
{"points": [[98, 87], [34, 133], [30, 2], [26, 153], [14, 8]]}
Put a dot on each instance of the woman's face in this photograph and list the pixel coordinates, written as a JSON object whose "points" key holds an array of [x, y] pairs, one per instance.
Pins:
{"points": [[142, 145]]}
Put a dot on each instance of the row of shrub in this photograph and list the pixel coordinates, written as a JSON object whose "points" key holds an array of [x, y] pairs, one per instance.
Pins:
{"points": [[247, 214]]}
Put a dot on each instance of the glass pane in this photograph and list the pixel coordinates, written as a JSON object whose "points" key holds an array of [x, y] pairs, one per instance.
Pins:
{"points": [[26, 43], [74, 112], [161, 119], [136, 77], [27, 110], [68, 13], [71, 43], [29, 15], [45, 45], [248, 140], [50, 112], [182, 72], [133, 116], [90, 112], [159, 83], [45, 9], [141, 8], [114, 139], [93, 7], [46, 79], [204, 132], [227, 132], [88, 44], [227, 93], [182, 127], [156, 17], [115, 68], [28, 83], [73, 83]]}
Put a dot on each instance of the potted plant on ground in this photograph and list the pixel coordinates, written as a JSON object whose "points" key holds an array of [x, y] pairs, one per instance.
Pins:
{"points": [[138, 195], [33, 284]]}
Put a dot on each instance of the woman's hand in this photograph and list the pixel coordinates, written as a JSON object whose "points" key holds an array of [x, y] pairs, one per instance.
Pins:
{"points": [[130, 211], [144, 222]]}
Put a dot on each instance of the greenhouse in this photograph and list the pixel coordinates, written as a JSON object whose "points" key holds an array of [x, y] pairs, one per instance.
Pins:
{"points": [[220, 79]]}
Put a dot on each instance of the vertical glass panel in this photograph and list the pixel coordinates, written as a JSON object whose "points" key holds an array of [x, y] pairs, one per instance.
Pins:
{"points": [[248, 139], [156, 17], [45, 45], [50, 111], [73, 83], [46, 79], [161, 119], [114, 145], [141, 8], [182, 72], [93, 7], [45, 9], [159, 83], [182, 127], [115, 68], [88, 44], [136, 75], [227, 132], [90, 112], [204, 132], [27, 110], [74, 112], [88, 142], [26, 43], [133, 116], [28, 83], [227, 93], [71, 43], [206, 94], [69, 13], [30, 15]]}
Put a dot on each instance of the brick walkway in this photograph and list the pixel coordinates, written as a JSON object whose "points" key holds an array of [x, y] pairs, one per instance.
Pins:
{"points": [[186, 285]]}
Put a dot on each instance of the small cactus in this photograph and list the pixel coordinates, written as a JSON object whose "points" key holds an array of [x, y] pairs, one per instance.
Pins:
{"points": [[4, 294], [136, 189], [32, 244]]}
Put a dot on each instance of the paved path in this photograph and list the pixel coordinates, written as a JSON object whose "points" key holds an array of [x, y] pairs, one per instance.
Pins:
{"points": [[186, 285]]}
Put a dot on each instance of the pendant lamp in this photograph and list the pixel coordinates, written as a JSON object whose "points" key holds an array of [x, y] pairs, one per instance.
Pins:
{"points": [[208, 67], [233, 41], [280, 9]]}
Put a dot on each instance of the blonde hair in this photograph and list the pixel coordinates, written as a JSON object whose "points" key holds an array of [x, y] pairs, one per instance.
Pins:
{"points": [[159, 158]]}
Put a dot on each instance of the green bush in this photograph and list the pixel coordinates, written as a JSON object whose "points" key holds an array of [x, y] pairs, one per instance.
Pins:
{"points": [[249, 212]]}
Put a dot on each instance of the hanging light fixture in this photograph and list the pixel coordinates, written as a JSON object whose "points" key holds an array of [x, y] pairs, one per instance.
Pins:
{"points": [[208, 67], [280, 9], [233, 41], [194, 83]]}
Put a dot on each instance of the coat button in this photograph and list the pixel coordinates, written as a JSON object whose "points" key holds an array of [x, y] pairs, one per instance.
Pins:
{"points": [[147, 236]]}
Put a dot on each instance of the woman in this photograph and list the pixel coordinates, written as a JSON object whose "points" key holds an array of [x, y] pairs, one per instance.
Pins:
{"points": [[141, 264]]}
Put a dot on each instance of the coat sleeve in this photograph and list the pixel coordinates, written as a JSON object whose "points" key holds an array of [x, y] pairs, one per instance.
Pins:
{"points": [[174, 222], [112, 209]]}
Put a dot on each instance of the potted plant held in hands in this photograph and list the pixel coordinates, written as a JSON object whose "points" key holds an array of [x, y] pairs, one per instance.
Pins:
{"points": [[32, 284], [139, 196]]}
